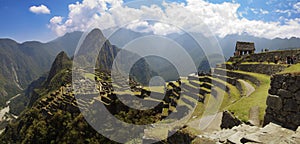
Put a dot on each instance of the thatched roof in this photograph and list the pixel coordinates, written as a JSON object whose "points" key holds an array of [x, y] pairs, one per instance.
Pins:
{"points": [[248, 46]]}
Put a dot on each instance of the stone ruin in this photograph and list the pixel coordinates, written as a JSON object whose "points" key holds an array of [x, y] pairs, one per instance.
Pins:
{"points": [[283, 102], [243, 48]]}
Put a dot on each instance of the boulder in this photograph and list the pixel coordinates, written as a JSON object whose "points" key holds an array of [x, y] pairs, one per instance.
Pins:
{"points": [[274, 102], [285, 93], [290, 105], [229, 120]]}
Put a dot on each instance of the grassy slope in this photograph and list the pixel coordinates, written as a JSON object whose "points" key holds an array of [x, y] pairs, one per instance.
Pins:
{"points": [[257, 98], [292, 69]]}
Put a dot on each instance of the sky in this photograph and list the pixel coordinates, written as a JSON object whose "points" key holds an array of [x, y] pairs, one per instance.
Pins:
{"points": [[44, 20]]}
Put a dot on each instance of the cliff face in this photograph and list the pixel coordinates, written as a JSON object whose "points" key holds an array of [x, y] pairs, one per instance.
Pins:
{"points": [[62, 61], [283, 102]]}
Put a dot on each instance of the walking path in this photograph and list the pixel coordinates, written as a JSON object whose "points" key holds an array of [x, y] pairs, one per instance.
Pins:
{"points": [[249, 88]]}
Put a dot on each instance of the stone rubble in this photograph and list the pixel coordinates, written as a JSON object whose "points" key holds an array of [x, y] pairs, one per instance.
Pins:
{"points": [[271, 133]]}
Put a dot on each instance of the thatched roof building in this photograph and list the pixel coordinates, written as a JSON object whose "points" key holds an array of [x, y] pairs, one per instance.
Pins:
{"points": [[242, 48]]}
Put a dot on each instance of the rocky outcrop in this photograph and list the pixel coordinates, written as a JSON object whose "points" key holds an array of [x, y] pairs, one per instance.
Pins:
{"points": [[62, 61], [283, 102], [229, 121], [271, 133]]}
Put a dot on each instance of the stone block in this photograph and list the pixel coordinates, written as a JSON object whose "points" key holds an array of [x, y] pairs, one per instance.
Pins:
{"points": [[273, 91], [274, 102], [297, 95], [296, 119], [284, 85], [275, 85], [229, 121], [293, 88], [278, 78], [290, 105], [285, 93]]}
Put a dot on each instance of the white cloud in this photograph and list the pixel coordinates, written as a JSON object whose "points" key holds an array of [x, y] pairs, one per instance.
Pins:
{"points": [[296, 6], [56, 20], [288, 12], [164, 29], [222, 19], [140, 26], [269, 2], [244, 12], [263, 11], [42, 9], [259, 11], [254, 11]]}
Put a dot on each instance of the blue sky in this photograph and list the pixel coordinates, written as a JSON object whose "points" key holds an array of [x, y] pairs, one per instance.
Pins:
{"points": [[21, 24]]}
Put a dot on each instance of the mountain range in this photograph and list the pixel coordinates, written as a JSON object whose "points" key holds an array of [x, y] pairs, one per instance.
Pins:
{"points": [[21, 63]]}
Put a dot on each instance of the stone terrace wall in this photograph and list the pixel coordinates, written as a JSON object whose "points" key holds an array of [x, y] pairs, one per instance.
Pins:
{"points": [[258, 57], [237, 75], [283, 102], [267, 69]]}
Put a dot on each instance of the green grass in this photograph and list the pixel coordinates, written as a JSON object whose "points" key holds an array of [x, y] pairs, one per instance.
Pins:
{"points": [[90, 76], [292, 69], [229, 63], [158, 89], [257, 98]]}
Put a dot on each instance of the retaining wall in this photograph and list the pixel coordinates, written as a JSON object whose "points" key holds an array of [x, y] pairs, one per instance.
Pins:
{"points": [[237, 75], [283, 102]]}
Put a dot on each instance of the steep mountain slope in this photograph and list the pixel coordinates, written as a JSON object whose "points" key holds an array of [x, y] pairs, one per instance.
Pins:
{"points": [[20, 64], [124, 36], [67, 43], [54, 117], [141, 71], [98, 50], [65, 124]]}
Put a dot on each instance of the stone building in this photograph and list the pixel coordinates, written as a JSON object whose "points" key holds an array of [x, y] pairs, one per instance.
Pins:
{"points": [[243, 48]]}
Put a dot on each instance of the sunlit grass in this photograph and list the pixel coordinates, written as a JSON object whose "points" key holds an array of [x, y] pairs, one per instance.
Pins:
{"points": [[257, 98], [158, 89], [292, 69], [90, 76]]}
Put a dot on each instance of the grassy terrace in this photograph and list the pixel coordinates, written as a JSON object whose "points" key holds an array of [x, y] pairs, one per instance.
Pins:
{"points": [[227, 98], [257, 98], [253, 63], [158, 89], [292, 69], [270, 63]]}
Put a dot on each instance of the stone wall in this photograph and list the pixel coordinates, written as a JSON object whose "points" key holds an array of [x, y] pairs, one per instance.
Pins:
{"points": [[237, 75], [267, 69], [265, 56], [232, 81], [283, 102]]}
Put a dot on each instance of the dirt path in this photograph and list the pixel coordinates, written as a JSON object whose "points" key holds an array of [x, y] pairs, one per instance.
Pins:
{"points": [[249, 88]]}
